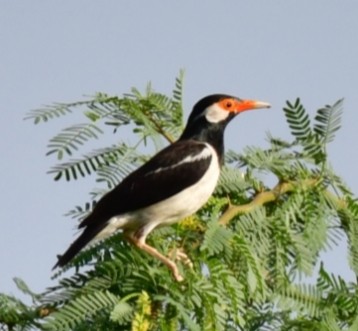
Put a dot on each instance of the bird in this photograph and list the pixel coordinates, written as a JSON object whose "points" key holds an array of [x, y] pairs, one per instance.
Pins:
{"points": [[174, 184]]}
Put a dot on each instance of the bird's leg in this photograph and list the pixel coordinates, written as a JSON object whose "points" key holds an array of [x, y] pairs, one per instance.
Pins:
{"points": [[141, 244]]}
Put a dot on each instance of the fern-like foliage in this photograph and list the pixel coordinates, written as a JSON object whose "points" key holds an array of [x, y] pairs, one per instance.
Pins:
{"points": [[314, 139], [298, 120], [71, 138], [328, 121], [151, 115], [250, 246], [81, 309], [49, 112], [122, 155], [88, 164]]}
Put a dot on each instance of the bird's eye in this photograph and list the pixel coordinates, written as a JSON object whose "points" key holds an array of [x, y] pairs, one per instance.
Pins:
{"points": [[228, 104]]}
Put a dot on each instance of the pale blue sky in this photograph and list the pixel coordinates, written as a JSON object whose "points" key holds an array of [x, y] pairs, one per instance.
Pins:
{"points": [[61, 50]]}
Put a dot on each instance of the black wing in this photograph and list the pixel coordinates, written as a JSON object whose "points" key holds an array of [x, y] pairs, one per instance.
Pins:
{"points": [[160, 178]]}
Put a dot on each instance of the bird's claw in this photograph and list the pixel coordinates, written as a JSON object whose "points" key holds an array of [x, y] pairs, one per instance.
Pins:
{"points": [[178, 254], [178, 277]]}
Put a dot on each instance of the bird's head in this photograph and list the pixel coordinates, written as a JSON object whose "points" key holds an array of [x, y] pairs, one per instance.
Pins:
{"points": [[218, 108], [211, 114]]}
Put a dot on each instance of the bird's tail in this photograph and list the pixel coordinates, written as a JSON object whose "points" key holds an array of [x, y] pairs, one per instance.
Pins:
{"points": [[87, 235]]}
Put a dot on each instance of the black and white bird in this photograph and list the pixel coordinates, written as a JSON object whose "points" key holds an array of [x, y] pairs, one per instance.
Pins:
{"points": [[172, 185]]}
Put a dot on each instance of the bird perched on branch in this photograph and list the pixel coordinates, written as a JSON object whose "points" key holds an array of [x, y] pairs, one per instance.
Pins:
{"points": [[173, 184]]}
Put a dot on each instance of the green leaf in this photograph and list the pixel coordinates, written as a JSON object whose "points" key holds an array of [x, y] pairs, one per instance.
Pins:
{"points": [[121, 312], [49, 112], [79, 310], [217, 239], [328, 121], [71, 138], [22, 286], [298, 120], [90, 163]]}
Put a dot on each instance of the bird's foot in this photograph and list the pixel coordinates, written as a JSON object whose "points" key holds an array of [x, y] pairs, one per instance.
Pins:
{"points": [[178, 254], [140, 243]]}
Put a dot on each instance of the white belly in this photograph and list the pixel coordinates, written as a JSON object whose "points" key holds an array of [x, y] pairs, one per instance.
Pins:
{"points": [[188, 201], [171, 210]]}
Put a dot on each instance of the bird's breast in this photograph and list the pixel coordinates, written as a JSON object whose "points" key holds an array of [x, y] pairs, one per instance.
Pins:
{"points": [[187, 201]]}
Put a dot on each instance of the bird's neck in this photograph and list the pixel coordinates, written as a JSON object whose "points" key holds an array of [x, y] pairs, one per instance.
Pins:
{"points": [[210, 133]]}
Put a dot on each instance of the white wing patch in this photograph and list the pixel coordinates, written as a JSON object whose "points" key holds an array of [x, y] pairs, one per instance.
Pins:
{"points": [[215, 114], [205, 153]]}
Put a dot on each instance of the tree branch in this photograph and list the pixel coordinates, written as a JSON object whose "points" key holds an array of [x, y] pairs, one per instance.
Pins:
{"points": [[263, 198]]}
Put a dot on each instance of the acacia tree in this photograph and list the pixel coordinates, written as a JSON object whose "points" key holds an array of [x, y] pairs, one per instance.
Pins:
{"points": [[250, 244]]}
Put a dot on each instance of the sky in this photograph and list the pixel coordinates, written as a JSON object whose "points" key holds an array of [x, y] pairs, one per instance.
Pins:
{"points": [[62, 51]]}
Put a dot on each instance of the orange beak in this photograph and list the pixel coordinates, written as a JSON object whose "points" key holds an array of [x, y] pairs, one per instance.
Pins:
{"points": [[244, 105]]}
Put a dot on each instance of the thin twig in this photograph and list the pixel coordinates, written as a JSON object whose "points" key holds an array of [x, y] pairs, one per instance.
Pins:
{"points": [[160, 129]]}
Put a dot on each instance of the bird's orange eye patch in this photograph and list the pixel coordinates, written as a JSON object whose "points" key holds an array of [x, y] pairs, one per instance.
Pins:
{"points": [[227, 104]]}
